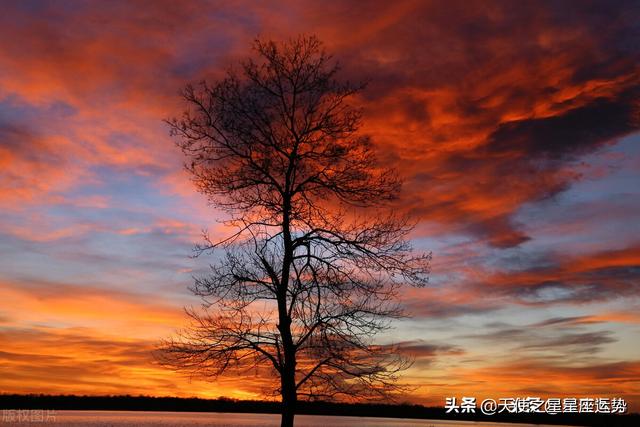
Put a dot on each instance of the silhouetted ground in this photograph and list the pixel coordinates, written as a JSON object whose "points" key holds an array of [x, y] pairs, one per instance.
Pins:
{"points": [[148, 403]]}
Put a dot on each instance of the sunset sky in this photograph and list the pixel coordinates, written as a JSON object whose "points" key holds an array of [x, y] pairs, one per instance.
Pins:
{"points": [[516, 125]]}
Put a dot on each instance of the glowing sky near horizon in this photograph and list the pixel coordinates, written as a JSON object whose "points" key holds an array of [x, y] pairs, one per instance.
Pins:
{"points": [[515, 124]]}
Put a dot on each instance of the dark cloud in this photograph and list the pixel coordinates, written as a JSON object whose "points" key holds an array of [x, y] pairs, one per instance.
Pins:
{"points": [[532, 159], [423, 349], [499, 231], [425, 355], [571, 134], [565, 320], [585, 341], [533, 87], [13, 136], [583, 286], [444, 307], [559, 338]]}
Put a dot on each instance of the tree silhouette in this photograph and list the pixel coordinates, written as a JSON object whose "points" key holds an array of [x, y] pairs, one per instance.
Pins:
{"points": [[312, 271]]}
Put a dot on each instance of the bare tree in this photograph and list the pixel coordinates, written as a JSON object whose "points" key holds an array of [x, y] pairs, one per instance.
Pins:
{"points": [[312, 271]]}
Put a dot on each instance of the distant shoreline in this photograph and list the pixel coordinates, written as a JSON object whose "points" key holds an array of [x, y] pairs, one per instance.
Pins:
{"points": [[410, 411]]}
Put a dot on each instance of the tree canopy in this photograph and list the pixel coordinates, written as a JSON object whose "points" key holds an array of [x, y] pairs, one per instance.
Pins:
{"points": [[312, 270]]}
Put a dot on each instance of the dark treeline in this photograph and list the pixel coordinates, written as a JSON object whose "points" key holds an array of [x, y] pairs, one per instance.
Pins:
{"points": [[176, 404]]}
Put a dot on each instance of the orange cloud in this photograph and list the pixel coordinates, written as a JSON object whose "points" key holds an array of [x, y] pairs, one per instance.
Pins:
{"points": [[133, 315], [87, 361]]}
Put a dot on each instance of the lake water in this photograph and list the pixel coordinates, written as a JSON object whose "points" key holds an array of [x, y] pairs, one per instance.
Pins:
{"points": [[220, 419]]}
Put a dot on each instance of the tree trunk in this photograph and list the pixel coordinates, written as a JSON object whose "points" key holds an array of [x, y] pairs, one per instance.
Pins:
{"points": [[287, 418], [288, 374], [289, 400]]}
